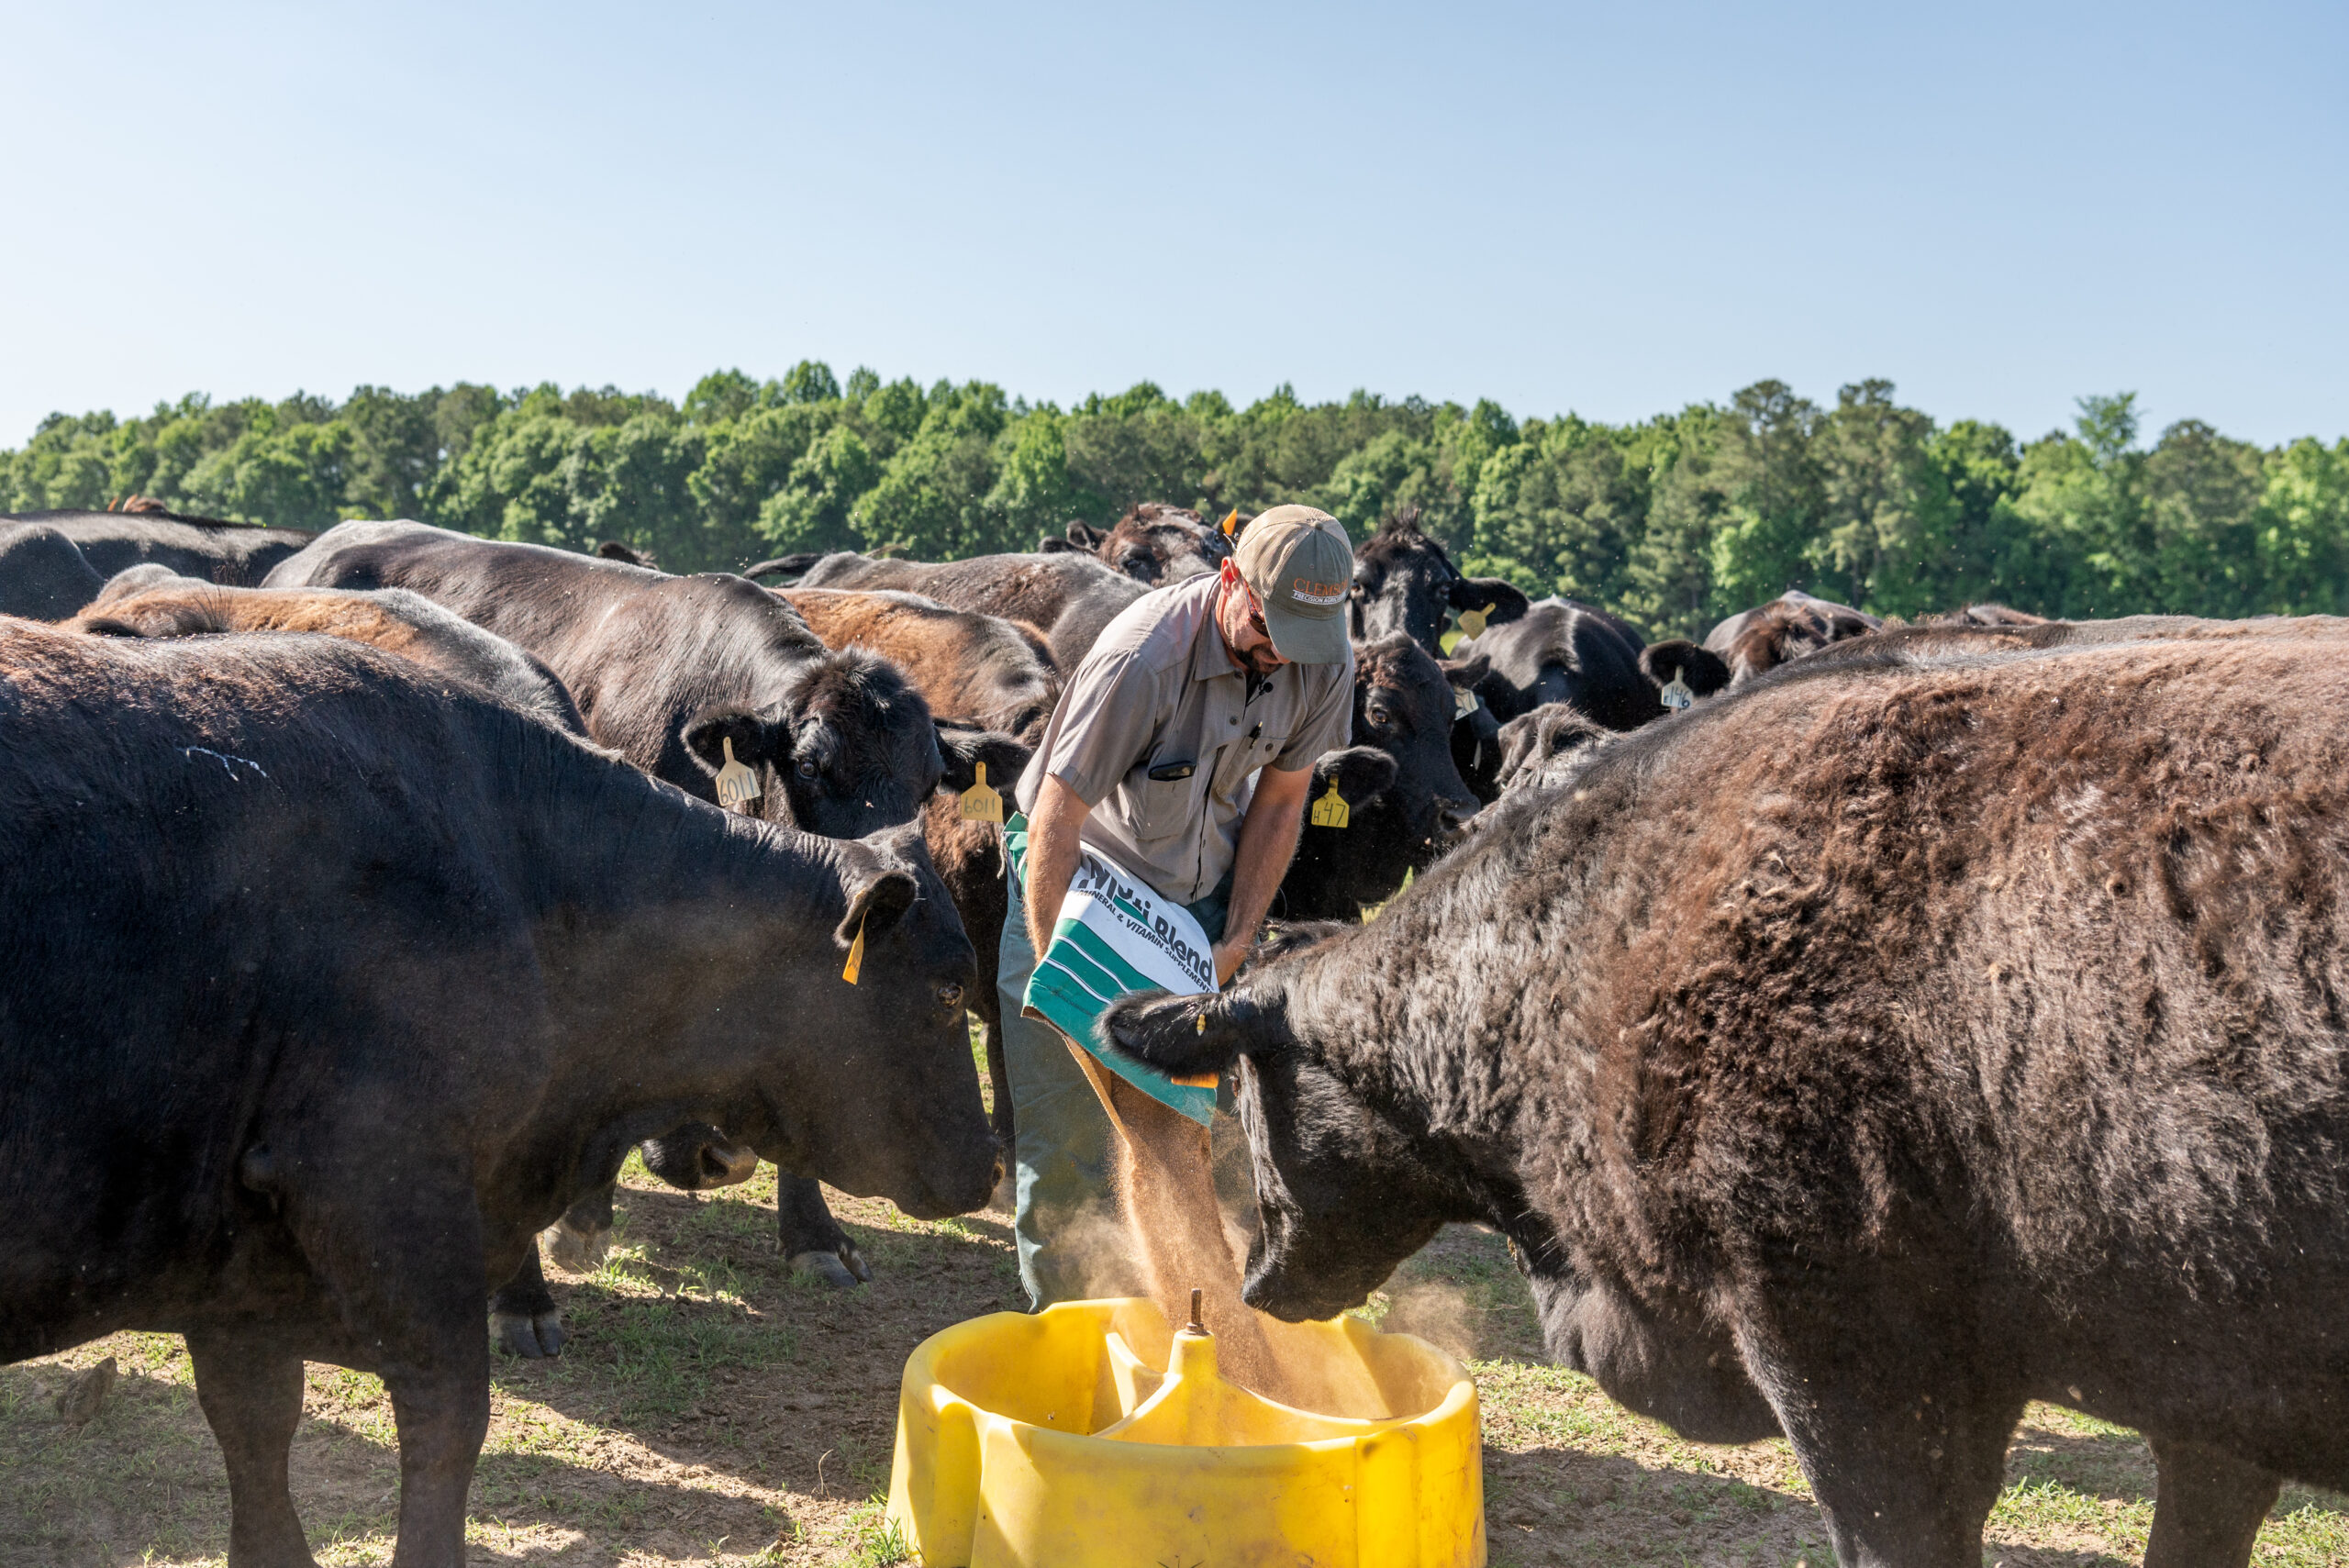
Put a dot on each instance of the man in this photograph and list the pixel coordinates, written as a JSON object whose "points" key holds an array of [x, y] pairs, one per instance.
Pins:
{"points": [[1183, 748]]}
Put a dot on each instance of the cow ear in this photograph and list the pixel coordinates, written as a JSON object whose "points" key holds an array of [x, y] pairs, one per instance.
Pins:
{"points": [[961, 747], [1187, 1036], [756, 736], [1699, 669], [106, 626], [1508, 600], [1360, 772], [1084, 536], [875, 905], [1464, 673], [1048, 545]]}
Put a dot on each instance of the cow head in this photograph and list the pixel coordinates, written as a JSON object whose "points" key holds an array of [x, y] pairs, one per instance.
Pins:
{"points": [[890, 1106], [1155, 544], [1342, 1192], [1541, 748], [1404, 704], [1404, 581], [1793, 623], [847, 748]]}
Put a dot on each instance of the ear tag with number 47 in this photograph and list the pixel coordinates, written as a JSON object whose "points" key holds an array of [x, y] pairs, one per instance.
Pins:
{"points": [[737, 785], [981, 802], [1472, 622], [855, 964], [1676, 695], [1331, 810]]}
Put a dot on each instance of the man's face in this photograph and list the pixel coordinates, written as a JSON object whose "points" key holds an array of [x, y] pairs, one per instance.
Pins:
{"points": [[1240, 618]]}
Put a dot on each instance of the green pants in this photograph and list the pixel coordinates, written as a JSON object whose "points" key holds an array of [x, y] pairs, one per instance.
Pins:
{"points": [[1061, 1148]]}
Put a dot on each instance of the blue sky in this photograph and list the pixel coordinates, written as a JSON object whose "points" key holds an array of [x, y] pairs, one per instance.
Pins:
{"points": [[1611, 210]]}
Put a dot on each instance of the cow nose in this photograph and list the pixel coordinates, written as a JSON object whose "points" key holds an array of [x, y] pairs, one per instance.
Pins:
{"points": [[1456, 817]]}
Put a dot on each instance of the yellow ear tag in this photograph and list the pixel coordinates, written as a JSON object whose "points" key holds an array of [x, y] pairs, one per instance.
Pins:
{"points": [[1331, 811], [981, 803], [1472, 622], [855, 954], [1230, 520], [737, 785], [1676, 695]]}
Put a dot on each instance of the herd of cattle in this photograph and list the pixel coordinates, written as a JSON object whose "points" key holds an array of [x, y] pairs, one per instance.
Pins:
{"points": [[1931, 1019]]}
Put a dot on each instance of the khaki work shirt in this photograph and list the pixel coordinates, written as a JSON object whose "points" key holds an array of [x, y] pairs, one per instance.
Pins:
{"points": [[1158, 689]]}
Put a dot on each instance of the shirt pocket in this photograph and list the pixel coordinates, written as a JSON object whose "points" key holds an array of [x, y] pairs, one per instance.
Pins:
{"points": [[1241, 758], [1157, 808]]}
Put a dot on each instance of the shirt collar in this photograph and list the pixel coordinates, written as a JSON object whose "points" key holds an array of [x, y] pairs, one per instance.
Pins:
{"points": [[1210, 659]]}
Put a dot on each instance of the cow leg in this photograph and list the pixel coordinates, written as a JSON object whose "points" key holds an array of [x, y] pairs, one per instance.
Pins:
{"points": [[399, 1250], [523, 1317], [1900, 1432], [577, 1241], [2207, 1506], [998, 1080], [812, 1241], [250, 1392]]}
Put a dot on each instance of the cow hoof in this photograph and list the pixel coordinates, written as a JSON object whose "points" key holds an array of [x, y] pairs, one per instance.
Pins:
{"points": [[580, 1252], [825, 1268], [533, 1339]]}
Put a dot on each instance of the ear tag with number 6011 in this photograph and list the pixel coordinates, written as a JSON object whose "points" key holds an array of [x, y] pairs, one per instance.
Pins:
{"points": [[855, 964], [981, 802], [737, 785], [1331, 810], [1677, 696], [1472, 622]]}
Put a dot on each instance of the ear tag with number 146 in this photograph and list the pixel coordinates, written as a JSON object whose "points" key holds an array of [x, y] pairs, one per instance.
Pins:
{"points": [[1331, 810], [1676, 695], [982, 803], [737, 785]]}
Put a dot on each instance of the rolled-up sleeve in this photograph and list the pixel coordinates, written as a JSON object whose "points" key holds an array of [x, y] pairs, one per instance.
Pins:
{"points": [[1105, 725], [1328, 723]]}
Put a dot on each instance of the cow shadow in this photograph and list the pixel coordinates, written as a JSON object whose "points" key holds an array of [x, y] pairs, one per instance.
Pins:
{"points": [[696, 1343], [2118, 1467]]}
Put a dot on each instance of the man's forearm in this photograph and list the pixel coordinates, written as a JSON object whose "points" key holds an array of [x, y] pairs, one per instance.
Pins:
{"points": [[1267, 843], [1053, 853]]}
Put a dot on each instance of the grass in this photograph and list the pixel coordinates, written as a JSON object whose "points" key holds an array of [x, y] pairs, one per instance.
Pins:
{"points": [[710, 1410]]}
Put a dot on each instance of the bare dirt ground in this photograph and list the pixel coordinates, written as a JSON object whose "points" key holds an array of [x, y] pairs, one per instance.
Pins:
{"points": [[709, 1410]]}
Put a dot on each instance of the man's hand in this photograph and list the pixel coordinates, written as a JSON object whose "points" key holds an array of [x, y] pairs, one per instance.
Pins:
{"points": [[1229, 957]]}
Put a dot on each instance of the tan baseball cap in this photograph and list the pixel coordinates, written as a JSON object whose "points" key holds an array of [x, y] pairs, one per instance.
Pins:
{"points": [[1300, 563]]}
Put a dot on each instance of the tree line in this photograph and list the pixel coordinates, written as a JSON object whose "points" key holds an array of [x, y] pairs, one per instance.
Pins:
{"points": [[1673, 522]]}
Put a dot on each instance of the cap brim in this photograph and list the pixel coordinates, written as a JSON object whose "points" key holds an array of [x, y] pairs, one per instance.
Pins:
{"points": [[1306, 639]]}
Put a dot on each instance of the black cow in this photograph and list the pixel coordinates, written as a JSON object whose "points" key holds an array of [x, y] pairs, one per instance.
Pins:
{"points": [[1753, 642], [326, 980], [1865, 1054], [1068, 595], [43, 574], [673, 672], [1560, 651], [1404, 799], [238, 554], [1154, 543], [1404, 581]]}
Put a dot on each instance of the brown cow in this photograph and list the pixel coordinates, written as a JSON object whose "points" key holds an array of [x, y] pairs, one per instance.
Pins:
{"points": [[1788, 627], [1154, 543]]}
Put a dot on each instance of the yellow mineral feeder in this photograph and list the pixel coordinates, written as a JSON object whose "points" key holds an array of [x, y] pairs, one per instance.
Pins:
{"points": [[1091, 1436]]}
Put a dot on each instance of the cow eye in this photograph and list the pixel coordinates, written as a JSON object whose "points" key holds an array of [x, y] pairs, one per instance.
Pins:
{"points": [[1379, 715], [806, 767], [950, 995]]}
